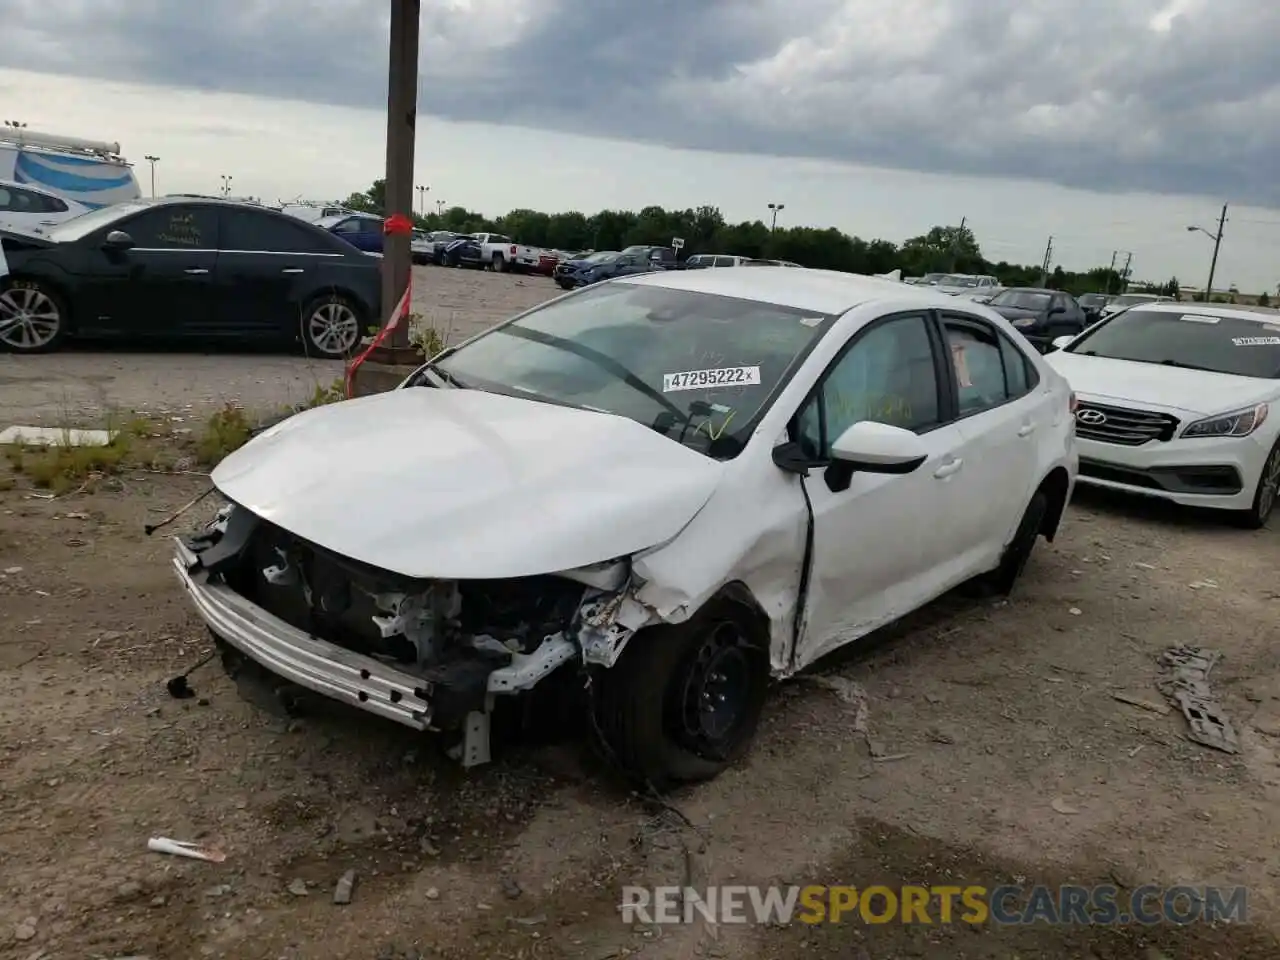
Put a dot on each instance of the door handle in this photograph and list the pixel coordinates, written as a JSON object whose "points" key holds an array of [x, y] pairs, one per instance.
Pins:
{"points": [[1026, 429], [292, 270], [196, 271], [949, 468]]}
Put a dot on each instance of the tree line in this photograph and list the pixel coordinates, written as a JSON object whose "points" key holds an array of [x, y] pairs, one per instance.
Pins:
{"points": [[943, 249]]}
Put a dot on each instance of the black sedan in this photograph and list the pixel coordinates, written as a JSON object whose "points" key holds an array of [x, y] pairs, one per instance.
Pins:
{"points": [[180, 267], [1040, 315]]}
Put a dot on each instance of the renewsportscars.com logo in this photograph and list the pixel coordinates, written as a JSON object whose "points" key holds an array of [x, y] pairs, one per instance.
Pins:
{"points": [[878, 904]]}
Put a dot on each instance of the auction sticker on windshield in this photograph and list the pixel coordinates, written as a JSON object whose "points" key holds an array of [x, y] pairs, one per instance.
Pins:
{"points": [[718, 377], [1256, 341]]}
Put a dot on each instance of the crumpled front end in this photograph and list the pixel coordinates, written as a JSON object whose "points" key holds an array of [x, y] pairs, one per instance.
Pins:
{"points": [[428, 654]]}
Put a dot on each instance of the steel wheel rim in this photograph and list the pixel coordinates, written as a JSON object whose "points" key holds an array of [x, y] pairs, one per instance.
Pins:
{"points": [[1270, 485], [717, 692], [29, 319], [334, 328]]}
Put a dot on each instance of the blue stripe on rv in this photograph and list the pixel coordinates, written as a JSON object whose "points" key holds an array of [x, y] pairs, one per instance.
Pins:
{"points": [[29, 170]]}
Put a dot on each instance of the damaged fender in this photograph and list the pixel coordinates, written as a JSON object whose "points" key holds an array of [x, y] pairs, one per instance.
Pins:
{"points": [[672, 582]]}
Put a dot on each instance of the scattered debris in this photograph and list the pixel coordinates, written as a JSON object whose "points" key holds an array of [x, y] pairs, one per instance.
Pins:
{"points": [[1074, 611], [180, 848], [433, 893], [1145, 566], [299, 887], [346, 885], [55, 437], [1061, 806], [26, 929], [1188, 687], [529, 921], [510, 888], [1204, 585], [1134, 752], [1143, 704]]}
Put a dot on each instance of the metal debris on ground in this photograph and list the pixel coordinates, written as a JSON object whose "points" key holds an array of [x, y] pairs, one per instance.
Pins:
{"points": [[1188, 687], [346, 885], [180, 848]]}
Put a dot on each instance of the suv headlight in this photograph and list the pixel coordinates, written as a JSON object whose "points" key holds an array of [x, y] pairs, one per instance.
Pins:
{"points": [[1238, 424]]}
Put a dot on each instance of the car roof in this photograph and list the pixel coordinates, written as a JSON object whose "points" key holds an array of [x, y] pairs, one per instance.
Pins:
{"points": [[822, 291], [1030, 290], [1237, 311], [34, 188]]}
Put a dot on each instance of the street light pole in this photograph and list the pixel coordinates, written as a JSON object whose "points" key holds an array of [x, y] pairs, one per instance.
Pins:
{"points": [[1217, 243], [226, 185], [153, 161], [422, 199], [775, 207]]}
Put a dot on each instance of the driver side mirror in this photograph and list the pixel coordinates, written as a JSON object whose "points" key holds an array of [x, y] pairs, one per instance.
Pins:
{"points": [[1060, 342], [872, 447], [118, 240]]}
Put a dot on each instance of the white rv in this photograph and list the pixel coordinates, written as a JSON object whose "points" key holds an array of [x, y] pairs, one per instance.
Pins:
{"points": [[90, 172]]}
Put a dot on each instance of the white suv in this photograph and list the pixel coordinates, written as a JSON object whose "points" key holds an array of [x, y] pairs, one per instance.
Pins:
{"points": [[24, 207]]}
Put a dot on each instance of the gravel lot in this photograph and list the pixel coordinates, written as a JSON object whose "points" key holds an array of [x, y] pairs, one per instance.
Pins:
{"points": [[79, 385], [996, 752]]}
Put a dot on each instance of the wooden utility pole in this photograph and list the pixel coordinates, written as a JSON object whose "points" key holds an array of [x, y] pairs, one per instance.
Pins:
{"points": [[1048, 258], [1124, 274], [1213, 264], [402, 116]]}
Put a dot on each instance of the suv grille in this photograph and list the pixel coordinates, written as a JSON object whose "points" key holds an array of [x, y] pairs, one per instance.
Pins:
{"points": [[1130, 428]]}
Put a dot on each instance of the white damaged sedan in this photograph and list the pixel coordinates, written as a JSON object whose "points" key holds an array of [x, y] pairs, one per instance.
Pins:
{"points": [[665, 488]]}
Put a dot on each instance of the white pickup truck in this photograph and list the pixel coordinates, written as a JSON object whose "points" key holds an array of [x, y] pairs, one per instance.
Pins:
{"points": [[501, 253]]}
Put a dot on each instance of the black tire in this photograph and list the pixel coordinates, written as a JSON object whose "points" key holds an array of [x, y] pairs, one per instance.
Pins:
{"points": [[1002, 579], [499, 263], [648, 705], [33, 317], [1265, 494], [332, 326]]}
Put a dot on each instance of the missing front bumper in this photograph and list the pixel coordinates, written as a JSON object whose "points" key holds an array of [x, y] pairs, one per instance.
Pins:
{"points": [[363, 682]]}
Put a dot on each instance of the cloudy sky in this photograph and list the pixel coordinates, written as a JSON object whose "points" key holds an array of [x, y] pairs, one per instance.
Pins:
{"points": [[1110, 125]]}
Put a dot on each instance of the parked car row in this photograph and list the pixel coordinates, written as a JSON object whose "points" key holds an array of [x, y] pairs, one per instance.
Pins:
{"points": [[186, 267]]}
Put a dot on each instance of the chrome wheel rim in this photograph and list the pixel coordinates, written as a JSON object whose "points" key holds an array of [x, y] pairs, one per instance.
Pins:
{"points": [[29, 319], [1270, 485], [334, 328]]}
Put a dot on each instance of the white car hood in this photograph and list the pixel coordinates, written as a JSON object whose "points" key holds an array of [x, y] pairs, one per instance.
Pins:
{"points": [[462, 484], [1193, 393]]}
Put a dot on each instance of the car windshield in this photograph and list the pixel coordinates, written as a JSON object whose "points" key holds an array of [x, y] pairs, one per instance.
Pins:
{"points": [[1021, 300], [1091, 299], [77, 228], [693, 366], [1129, 299], [1243, 347], [604, 256], [958, 280]]}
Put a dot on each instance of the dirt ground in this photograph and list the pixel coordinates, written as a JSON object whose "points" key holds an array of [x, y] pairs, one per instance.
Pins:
{"points": [[1002, 756]]}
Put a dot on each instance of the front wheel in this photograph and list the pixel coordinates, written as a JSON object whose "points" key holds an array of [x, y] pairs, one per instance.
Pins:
{"points": [[33, 317], [1265, 494], [499, 263], [331, 327], [684, 701]]}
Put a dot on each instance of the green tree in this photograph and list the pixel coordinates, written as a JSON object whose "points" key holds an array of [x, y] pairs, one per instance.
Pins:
{"points": [[704, 230], [1264, 299]]}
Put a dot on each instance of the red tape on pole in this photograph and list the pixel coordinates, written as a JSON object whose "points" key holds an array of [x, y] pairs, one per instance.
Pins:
{"points": [[395, 225], [400, 315]]}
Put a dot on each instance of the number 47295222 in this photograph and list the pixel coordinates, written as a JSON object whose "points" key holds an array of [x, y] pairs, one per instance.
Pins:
{"points": [[704, 379]]}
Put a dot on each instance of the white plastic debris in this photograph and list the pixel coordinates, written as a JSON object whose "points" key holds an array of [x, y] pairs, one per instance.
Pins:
{"points": [[55, 437], [180, 848]]}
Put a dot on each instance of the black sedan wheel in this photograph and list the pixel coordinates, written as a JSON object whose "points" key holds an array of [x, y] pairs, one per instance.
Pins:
{"points": [[33, 318], [331, 327]]}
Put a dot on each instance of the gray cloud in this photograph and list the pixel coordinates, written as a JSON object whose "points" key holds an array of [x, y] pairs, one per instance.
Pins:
{"points": [[1085, 94]]}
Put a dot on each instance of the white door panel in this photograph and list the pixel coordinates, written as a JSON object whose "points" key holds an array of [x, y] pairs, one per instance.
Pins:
{"points": [[876, 550]]}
